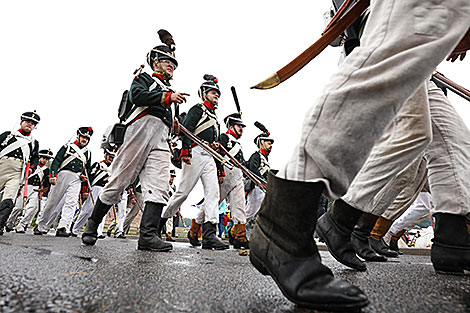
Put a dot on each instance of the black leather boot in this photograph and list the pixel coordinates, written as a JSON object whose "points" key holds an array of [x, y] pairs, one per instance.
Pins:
{"points": [[90, 235], [360, 238], [6, 206], [450, 251], [335, 227], [282, 246], [210, 239], [149, 238], [161, 226], [193, 233], [382, 248]]}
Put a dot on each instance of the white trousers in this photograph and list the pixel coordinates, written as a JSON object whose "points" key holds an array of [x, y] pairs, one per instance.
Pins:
{"points": [[253, 202], [68, 186], [145, 152], [233, 190], [87, 209], [447, 158], [419, 209], [32, 207], [202, 167], [402, 44]]}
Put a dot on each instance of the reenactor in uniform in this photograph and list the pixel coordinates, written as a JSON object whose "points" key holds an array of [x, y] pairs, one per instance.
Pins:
{"points": [[99, 176], [17, 150], [145, 151], [70, 167], [201, 120], [37, 182], [258, 164], [233, 188]]}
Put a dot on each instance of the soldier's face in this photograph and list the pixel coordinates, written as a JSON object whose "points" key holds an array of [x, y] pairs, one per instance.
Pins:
{"points": [[83, 141], [213, 97], [27, 126], [268, 145], [42, 160], [238, 130], [172, 178], [108, 159], [167, 67]]}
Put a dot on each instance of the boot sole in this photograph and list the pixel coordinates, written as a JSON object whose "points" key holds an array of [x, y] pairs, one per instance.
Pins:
{"points": [[153, 249], [214, 248], [258, 264], [320, 232]]}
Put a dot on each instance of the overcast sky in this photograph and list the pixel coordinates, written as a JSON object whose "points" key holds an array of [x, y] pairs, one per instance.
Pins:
{"points": [[71, 61]]}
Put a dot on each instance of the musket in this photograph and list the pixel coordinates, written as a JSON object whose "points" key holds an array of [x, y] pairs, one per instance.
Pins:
{"points": [[89, 184], [135, 198], [181, 216], [205, 146], [235, 98], [339, 25], [25, 189], [451, 85], [244, 169]]}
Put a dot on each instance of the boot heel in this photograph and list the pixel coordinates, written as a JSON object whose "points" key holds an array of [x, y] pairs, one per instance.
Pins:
{"points": [[258, 264], [448, 270]]}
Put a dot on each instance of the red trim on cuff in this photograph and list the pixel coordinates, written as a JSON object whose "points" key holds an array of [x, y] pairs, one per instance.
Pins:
{"points": [[166, 101], [222, 174], [184, 152]]}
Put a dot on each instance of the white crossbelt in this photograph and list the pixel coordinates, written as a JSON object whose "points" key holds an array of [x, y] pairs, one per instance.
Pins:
{"points": [[76, 154], [141, 109]]}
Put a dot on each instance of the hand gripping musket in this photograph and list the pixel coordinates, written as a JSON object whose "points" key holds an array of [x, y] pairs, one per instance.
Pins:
{"points": [[205, 146], [244, 169], [337, 26], [451, 85]]}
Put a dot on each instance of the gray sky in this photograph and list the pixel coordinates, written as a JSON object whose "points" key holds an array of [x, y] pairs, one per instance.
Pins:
{"points": [[71, 61]]}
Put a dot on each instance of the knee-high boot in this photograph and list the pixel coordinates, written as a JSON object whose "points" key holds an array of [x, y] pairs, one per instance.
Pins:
{"points": [[6, 206], [90, 235], [450, 251], [282, 246], [149, 237]]}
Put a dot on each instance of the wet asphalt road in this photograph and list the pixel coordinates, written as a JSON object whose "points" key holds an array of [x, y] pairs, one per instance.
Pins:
{"points": [[49, 274]]}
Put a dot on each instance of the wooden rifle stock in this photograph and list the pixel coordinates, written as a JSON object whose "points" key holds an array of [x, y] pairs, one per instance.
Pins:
{"points": [[205, 146], [453, 86], [244, 169]]}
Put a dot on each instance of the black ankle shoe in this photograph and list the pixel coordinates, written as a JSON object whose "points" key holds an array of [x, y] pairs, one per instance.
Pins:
{"points": [[193, 241], [62, 232], [282, 246], [362, 247], [381, 247], [335, 227], [210, 239]]}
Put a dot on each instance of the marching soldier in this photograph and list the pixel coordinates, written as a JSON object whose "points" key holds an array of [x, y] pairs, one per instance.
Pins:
{"points": [[38, 184], [199, 164], [70, 166], [144, 151], [17, 150], [99, 176], [233, 188], [134, 205], [259, 165]]}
